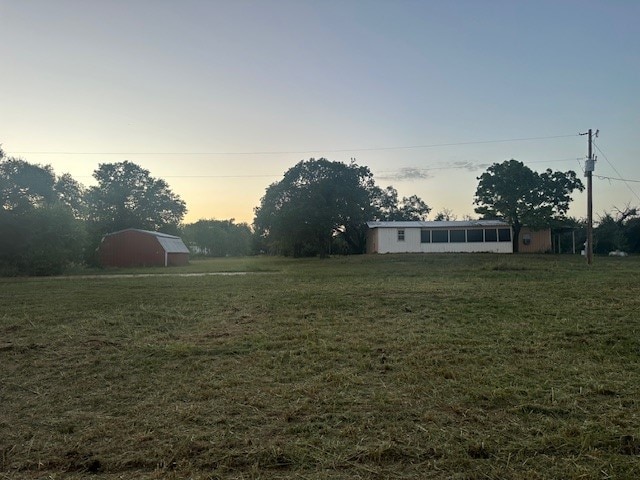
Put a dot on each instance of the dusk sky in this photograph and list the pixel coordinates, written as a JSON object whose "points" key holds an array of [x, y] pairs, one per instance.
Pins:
{"points": [[220, 98]]}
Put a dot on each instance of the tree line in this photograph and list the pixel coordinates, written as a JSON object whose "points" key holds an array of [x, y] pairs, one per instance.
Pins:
{"points": [[49, 222], [319, 207]]}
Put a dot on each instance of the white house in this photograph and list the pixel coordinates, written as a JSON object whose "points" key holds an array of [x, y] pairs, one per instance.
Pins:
{"points": [[440, 237]]}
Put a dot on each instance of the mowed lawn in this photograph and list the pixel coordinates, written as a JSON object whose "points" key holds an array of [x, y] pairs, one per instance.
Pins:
{"points": [[371, 367]]}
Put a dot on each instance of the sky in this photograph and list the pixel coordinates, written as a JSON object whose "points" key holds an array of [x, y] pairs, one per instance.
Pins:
{"points": [[221, 97]]}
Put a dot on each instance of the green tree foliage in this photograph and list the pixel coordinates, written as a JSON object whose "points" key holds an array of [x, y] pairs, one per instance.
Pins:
{"points": [[218, 238], [609, 235], [387, 206], [618, 231], [314, 201], [42, 241], [632, 234], [24, 186], [127, 196], [320, 200], [520, 196], [39, 233], [71, 194]]}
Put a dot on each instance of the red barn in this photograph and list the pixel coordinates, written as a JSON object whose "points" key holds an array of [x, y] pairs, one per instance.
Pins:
{"points": [[142, 248]]}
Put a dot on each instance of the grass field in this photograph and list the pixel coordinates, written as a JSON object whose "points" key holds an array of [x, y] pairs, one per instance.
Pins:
{"points": [[370, 367]]}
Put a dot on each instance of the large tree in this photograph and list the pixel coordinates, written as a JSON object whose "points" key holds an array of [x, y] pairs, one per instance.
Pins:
{"points": [[127, 196], [39, 233], [512, 191], [319, 200]]}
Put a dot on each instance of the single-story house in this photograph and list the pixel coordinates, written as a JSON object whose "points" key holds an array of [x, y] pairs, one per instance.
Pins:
{"points": [[142, 248], [439, 237], [468, 236]]}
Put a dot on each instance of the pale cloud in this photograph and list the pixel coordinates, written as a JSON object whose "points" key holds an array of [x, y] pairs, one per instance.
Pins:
{"points": [[406, 173], [413, 173], [469, 166]]}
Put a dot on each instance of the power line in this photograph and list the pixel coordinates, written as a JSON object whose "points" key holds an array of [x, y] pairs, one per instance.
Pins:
{"points": [[220, 176], [553, 161], [614, 178], [445, 167], [468, 166], [471, 165], [301, 152], [204, 176], [618, 173]]}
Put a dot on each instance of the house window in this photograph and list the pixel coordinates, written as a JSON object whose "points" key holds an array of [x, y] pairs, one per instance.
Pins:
{"points": [[490, 235], [440, 236], [475, 236], [425, 236], [457, 236], [526, 239], [504, 234], [401, 235]]}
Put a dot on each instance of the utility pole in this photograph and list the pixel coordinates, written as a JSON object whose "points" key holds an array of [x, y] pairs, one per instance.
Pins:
{"points": [[589, 166]]}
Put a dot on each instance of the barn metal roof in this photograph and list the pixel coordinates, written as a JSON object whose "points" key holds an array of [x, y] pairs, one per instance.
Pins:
{"points": [[440, 224], [173, 245]]}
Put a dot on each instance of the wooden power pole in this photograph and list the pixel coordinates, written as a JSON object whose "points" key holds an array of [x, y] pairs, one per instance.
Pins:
{"points": [[589, 166]]}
